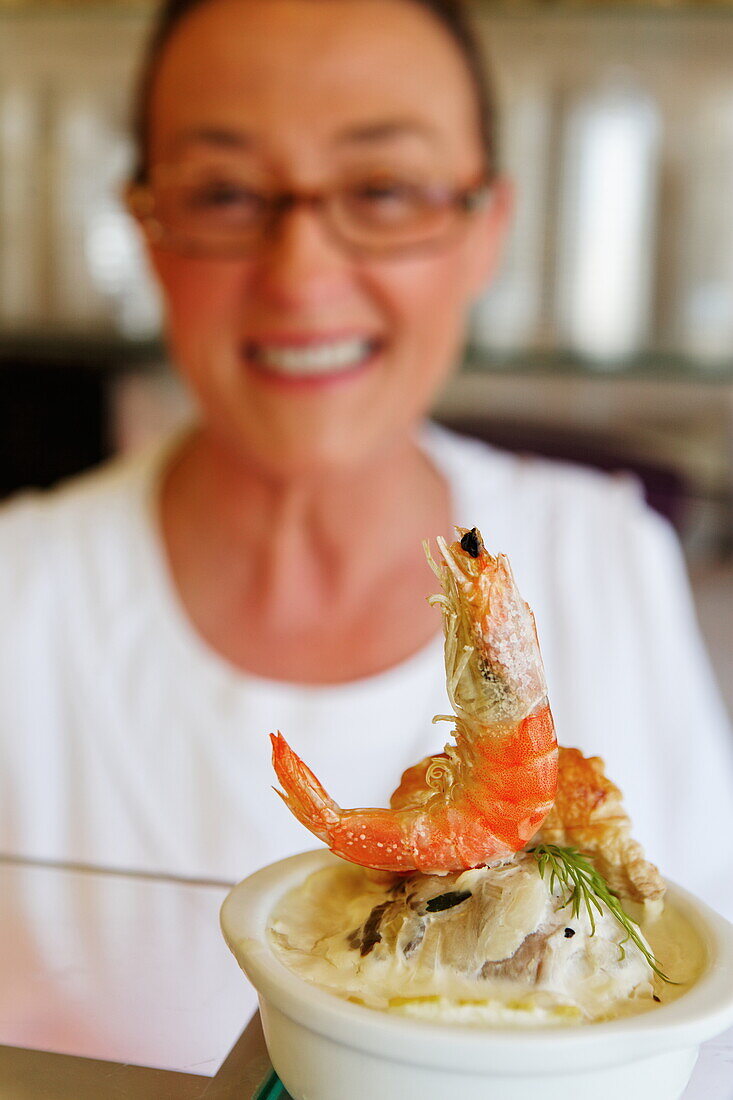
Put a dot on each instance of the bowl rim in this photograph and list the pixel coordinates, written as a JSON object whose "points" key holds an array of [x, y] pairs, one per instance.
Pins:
{"points": [[702, 1012]]}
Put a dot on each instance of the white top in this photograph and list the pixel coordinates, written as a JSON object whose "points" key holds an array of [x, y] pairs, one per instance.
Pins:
{"points": [[125, 741]]}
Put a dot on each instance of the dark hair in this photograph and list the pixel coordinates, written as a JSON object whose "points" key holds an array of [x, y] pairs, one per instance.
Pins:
{"points": [[451, 14]]}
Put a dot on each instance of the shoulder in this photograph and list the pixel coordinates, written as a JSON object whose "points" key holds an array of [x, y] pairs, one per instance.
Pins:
{"points": [[81, 500], [51, 539], [531, 487], [565, 527]]}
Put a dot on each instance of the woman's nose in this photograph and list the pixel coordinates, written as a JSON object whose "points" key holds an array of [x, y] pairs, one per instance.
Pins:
{"points": [[300, 263]]}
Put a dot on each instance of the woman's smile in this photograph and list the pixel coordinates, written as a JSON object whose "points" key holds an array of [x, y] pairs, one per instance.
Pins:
{"points": [[308, 342], [310, 360]]}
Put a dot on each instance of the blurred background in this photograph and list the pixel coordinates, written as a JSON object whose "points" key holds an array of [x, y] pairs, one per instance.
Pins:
{"points": [[607, 338]]}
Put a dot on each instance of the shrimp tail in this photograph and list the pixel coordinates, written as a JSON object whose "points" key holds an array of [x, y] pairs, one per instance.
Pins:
{"points": [[304, 795]]}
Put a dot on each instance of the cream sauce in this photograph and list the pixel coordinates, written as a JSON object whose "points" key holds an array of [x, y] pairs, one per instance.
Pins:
{"points": [[503, 951]]}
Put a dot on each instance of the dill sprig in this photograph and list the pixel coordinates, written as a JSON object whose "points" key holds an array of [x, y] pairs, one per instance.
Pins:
{"points": [[587, 887]]}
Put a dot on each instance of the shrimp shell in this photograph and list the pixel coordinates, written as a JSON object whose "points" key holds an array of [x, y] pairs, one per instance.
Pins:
{"points": [[487, 794]]}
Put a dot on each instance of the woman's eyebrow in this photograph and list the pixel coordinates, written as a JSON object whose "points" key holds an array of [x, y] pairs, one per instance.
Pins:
{"points": [[361, 134], [387, 130], [215, 135]]}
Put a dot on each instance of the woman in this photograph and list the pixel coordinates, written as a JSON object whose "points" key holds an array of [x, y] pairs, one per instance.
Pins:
{"points": [[319, 196]]}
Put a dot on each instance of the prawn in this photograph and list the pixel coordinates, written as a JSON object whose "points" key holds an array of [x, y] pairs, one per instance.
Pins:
{"points": [[486, 795]]}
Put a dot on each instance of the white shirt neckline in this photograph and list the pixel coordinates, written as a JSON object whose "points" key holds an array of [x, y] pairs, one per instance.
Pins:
{"points": [[204, 657]]}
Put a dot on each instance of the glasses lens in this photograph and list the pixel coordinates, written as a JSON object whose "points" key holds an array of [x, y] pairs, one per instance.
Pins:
{"points": [[392, 213], [221, 213]]}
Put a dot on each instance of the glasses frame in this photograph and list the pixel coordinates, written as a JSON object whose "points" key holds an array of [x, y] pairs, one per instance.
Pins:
{"points": [[465, 201]]}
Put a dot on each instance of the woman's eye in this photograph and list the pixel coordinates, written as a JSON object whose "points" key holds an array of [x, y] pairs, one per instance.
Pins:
{"points": [[226, 198], [385, 193], [384, 190], [390, 198]]}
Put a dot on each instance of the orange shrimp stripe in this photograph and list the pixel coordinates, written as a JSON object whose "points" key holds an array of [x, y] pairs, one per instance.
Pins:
{"points": [[530, 738], [524, 769]]}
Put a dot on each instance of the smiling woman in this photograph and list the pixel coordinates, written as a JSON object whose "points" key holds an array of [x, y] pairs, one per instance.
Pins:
{"points": [[319, 236], [319, 195], [328, 225]]}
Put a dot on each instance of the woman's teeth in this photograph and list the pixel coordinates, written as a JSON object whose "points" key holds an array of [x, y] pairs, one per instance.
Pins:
{"points": [[313, 359]]}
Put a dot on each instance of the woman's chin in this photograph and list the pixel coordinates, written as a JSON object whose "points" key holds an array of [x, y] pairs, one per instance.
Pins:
{"points": [[297, 443], [285, 452]]}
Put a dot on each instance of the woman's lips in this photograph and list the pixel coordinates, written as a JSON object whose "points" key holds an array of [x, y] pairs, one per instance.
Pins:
{"points": [[311, 360]]}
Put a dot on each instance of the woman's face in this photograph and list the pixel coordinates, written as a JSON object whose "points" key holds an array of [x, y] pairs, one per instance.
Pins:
{"points": [[304, 357]]}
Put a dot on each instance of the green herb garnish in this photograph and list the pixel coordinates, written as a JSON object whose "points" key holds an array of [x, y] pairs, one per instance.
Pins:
{"points": [[586, 886]]}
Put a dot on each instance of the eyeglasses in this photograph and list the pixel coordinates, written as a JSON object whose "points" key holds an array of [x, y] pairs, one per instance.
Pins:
{"points": [[220, 214]]}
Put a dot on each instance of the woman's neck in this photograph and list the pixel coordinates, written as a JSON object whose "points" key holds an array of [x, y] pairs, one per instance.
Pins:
{"points": [[296, 560]]}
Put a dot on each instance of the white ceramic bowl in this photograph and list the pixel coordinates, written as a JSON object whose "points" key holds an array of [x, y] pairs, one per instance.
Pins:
{"points": [[325, 1048]]}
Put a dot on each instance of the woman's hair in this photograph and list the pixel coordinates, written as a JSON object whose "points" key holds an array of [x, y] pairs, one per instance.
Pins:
{"points": [[451, 14]]}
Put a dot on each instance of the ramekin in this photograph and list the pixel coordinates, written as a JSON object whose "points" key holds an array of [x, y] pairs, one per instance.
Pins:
{"points": [[326, 1048]]}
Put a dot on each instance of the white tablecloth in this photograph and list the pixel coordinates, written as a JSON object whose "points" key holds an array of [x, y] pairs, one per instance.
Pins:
{"points": [[712, 1078]]}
